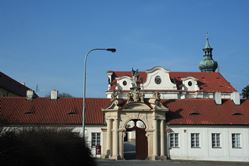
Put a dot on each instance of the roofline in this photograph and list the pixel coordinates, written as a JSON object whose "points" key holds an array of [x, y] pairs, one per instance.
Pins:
{"points": [[9, 124], [18, 83], [169, 124], [103, 124], [150, 90]]}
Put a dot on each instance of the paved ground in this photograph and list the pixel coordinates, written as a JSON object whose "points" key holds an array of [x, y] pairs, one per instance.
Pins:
{"points": [[129, 151], [166, 163]]}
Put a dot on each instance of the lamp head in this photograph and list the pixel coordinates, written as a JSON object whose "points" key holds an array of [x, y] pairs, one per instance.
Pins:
{"points": [[111, 49]]}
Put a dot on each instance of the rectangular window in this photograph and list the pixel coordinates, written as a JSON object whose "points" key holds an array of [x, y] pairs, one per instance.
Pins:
{"points": [[95, 139], [195, 140], [174, 140], [235, 140], [215, 140]]}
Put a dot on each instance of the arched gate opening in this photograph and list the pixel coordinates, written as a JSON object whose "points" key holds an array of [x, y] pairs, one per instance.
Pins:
{"points": [[135, 140]]}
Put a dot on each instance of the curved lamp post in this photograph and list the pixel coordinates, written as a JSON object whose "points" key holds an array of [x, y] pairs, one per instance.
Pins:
{"points": [[84, 83]]}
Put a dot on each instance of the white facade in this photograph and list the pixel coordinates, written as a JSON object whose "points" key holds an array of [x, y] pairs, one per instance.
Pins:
{"points": [[205, 151], [158, 79], [163, 83], [224, 152]]}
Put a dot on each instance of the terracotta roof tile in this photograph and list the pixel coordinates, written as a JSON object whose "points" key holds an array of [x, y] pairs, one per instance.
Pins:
{"points": [[68, 111], [207, 81], [18, 110], [206, 111]]}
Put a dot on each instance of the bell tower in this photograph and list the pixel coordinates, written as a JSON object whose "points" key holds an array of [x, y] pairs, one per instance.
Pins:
{"points": [[207, 64]]}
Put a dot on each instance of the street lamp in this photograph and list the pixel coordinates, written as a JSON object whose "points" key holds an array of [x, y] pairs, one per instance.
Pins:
{"points": [[84, 83]]}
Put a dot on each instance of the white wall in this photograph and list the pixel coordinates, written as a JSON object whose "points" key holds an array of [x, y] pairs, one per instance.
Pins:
{"points": [[184, 151], [88, 130], [205, 151], [190, 87], [165, 84], [128, 84]]}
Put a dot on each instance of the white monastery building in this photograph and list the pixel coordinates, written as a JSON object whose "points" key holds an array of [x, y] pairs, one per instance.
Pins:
{"points": [[155, 114]]}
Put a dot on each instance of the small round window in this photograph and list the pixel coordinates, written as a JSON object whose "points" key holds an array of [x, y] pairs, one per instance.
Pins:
{"points": [[124, 83], [189, 83], [157, 79]]}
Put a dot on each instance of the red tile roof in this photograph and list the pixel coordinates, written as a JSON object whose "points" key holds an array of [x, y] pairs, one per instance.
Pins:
{"points": [[18, 110], [12, 85], [68, 111], [206, 112], [207, 81]]}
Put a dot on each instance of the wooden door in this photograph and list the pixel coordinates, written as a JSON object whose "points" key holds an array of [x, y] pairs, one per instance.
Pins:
{"points": [[141, 144]]}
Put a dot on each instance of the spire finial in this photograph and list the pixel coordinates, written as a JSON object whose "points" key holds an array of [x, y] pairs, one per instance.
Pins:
{"points": [[207, 45], [206, 34]]}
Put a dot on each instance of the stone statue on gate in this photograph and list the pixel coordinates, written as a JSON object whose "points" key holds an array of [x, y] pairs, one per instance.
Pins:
{"points": [[135, 95], [115, 94], [135, 76]]}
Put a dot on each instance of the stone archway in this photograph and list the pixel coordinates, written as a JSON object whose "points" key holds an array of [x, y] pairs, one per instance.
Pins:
{"points": [[150, 111]]}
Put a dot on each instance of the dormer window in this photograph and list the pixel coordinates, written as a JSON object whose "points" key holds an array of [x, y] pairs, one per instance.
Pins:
{"points": [[124, 83], [194, 113], [158, 80], [237, 113], [190, 84]]}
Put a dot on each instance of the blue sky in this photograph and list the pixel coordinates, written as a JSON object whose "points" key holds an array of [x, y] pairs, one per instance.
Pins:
{"points": [[44, 42]]}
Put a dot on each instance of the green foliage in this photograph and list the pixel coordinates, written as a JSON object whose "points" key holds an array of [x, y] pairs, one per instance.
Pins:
{"points": [[61, 95], [3, 122], [245, 92], [44, 147]]}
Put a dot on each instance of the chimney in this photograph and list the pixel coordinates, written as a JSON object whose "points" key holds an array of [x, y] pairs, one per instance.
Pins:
{"points": [[54, 94], [29, 94], [235, 96], [217, 98]]}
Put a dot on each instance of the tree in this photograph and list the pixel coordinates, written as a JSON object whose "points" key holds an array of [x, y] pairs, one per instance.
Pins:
{"points": [[245, 92], [44, 147], [61, 95], [3, 122]]}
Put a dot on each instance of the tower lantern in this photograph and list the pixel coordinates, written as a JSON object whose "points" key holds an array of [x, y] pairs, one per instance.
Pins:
{"points": [[207, 64]]}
